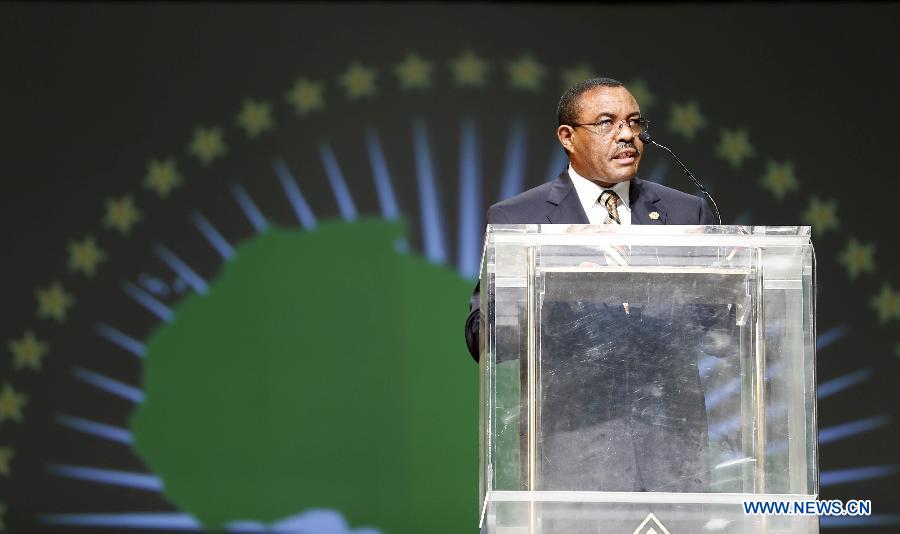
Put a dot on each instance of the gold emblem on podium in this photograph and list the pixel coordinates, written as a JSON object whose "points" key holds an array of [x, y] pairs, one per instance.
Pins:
{"points": [[654, 215]]}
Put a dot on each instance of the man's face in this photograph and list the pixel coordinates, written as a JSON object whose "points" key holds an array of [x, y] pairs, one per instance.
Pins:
{"points": [[605, 158]]}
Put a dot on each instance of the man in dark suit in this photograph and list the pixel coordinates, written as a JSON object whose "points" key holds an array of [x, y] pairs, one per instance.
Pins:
{"points": [[653, 434]]}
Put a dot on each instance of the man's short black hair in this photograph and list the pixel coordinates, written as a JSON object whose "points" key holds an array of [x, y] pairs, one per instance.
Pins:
{"points": [[570, 103]]}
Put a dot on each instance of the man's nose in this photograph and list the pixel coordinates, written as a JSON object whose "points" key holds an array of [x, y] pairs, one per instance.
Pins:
{"points": [[624, 133]]}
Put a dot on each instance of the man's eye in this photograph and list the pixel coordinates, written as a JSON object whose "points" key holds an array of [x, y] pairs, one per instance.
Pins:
{"points": [[605, 122], [633, 122]]}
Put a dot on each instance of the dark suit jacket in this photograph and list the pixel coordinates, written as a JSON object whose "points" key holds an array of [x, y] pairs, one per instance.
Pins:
{"points": [[557, 202]]}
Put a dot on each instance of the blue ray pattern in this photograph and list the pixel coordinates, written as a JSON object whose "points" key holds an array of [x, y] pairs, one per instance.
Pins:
{"points": [[138, 520], [874, 520], [110, 385], [828, 337], [843, 476], [717, 395], [121, 339], [513, 180], [559, 161], [146, 300], [834, 433], [470, 205], [432, 229], [251, 211], [100, 430], [113, 477], [336, 179], [381, 175], [222, 246], [843, 382], [187, 274], [708, 364], [298, 202]]}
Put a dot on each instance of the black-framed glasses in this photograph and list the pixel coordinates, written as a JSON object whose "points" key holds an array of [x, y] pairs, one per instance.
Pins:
{"points": [[609, 126]]}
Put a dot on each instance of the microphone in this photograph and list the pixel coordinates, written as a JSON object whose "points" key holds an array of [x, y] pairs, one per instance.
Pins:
{"points": [[645, 137]]}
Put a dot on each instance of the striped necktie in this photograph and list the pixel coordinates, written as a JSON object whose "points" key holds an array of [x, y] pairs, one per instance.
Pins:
{"points": [[609, 198], [618, 254]]}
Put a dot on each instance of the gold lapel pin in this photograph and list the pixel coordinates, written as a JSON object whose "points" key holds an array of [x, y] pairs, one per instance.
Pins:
{"points": [[654, 215]]}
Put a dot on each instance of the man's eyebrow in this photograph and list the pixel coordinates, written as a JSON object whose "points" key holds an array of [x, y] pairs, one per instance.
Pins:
{"points": [[612, 115]]}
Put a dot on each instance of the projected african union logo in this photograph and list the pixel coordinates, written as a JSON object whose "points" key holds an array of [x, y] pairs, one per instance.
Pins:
{"points": [[306, 365]]}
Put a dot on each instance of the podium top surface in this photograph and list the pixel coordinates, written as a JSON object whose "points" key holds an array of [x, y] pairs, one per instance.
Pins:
{"points": [[650, 234]]}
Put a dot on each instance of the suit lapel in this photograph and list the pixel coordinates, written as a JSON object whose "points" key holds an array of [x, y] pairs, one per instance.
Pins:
{"points": [[646, 207], [563, 206]]}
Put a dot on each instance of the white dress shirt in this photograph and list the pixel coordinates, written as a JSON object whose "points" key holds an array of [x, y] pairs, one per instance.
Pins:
{"points": [[589, 195]]}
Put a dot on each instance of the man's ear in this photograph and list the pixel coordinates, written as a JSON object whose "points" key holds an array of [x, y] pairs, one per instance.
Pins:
{"points": [[564, 133]]}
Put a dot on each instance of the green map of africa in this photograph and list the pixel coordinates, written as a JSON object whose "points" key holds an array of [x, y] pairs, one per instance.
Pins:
{"points": [[323, 369]]}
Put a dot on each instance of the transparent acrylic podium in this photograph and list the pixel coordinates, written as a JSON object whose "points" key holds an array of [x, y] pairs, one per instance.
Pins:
{"points": [[641, 379]]}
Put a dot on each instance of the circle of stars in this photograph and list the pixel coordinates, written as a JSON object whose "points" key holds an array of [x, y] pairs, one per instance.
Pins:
{"points": [[779, 179], [858, 258], [306, 96], [162, 176], [27, 351], [255, 118], [734, 147], [84, 256], [54, 302], [358, 81], [686, 119], [821, 215], [11, 404], [121, 214], [413, 73], [208, 144]]}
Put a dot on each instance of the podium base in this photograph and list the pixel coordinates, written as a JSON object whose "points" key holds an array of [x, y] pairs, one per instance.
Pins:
{"points": [[588, 512]]}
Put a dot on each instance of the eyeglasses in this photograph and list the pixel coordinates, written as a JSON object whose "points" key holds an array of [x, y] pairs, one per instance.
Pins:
{"points": [[608, 126]]}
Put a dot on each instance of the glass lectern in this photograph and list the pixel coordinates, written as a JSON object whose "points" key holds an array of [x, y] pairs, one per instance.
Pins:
{"points": [[646, 379]]}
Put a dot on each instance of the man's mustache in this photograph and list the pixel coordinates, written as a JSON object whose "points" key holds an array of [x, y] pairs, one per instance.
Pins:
{"points": [[625, 145]]}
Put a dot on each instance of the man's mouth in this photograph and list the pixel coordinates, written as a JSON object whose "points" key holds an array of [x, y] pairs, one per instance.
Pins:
{"points": [[625, 156]]}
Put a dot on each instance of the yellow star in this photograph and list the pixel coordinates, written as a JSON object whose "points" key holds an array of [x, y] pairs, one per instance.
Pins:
{"points": [[779, 179], [525, 73], [84, 256], [735, 147], [11, 404], [306, 96], [639, 90], [162, 176], [887, 304], [28, 351], [53, 302], [821, 215], [685, 119], [576, 74], [121, 214], [255, 118], [207, 144], [6, 456], [414, 72], [469, 70], [358, 81], [858, 258]]}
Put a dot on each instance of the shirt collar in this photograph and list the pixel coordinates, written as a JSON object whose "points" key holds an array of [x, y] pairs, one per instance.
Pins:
{"points": [[589, 192]]}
